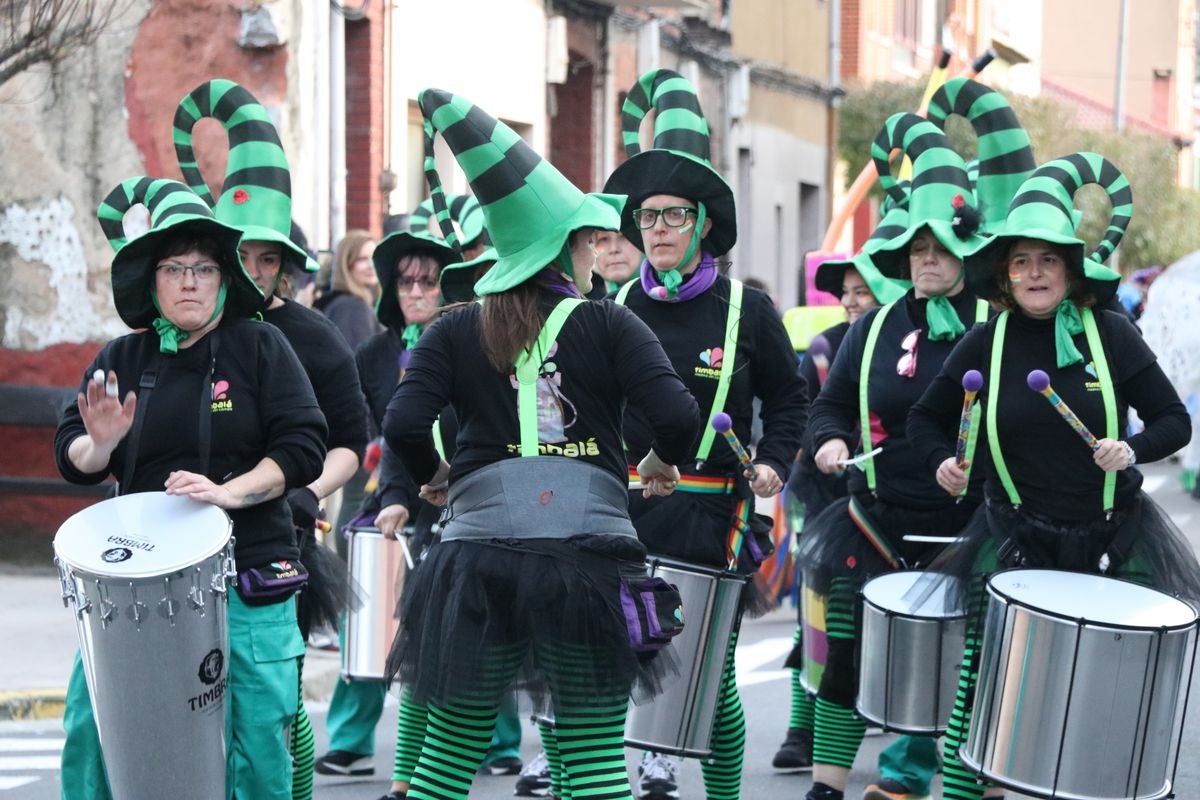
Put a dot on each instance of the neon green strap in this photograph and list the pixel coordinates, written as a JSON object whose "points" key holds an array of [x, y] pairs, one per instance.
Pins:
{"points": [[437, 437], [528, 368], [1107, 393], [981, 315], [864, 374], [733, 321], [623, 294]]}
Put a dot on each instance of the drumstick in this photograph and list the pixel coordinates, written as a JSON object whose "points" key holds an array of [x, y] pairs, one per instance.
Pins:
{"points": [[723, 424], [818, 351], [972, 382], [110, 387], [1039, 382]]}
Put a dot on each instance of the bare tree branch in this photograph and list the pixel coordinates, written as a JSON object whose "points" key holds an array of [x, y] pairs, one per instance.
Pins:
{"points": [[47, 31]]}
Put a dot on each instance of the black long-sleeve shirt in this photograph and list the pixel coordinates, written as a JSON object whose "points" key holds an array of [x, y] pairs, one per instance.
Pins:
{"points": [[330, 367], [1051, 466], [604, 358], [263, 407], [693, 335], [901, 477]]}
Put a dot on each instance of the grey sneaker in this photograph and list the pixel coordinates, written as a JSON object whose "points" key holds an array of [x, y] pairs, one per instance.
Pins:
{"points": [[657, 778], [534, 780]]}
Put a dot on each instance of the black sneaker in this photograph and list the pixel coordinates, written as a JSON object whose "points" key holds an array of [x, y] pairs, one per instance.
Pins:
{"points": [[394, 796], [342, 762], [534, 780], [795, 754], [509, 765]]}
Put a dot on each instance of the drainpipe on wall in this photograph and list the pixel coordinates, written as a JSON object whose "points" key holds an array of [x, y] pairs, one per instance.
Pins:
{"points": [[835, 80], [337, 127]]}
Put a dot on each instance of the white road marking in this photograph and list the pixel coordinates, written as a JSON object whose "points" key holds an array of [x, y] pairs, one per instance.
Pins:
{"points": [[16, 781], [10, 745], [1153, 483], [29, 762], [750, 657]]}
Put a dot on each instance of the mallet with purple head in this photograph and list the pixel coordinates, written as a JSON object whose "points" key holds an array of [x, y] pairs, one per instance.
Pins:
{"points": [[972, 382], [723, 424], [818, 351], [1039, 382]]}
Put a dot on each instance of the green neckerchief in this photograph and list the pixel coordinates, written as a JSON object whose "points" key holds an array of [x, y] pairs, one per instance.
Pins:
{"points": [[527, 368], [410, 334], [864, 374], [611, 286], [170, 334], [1067, 323], [1107, 393], [671, 279], [943, 320]]}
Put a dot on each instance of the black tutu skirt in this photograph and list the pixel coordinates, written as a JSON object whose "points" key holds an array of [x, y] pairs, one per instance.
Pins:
{"points": [[1139, 543], [695, 527], [328, 593], [813, 489], [834, 545], [472, 604]]}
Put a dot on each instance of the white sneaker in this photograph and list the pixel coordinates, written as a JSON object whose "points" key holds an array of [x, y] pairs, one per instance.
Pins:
{"points": [[656, 778], [534, 780]]}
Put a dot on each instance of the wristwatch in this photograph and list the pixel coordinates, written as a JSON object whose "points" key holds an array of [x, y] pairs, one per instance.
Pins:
{"points": [[1132, 456]]}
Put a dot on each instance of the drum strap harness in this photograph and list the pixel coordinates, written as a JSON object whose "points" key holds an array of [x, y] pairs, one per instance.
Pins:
{"points": [[1107, 393], [864, 408]]}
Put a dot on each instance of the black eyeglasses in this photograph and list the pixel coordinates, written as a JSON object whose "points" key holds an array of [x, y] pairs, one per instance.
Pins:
{"points": [[404, 284], [673, 216]]}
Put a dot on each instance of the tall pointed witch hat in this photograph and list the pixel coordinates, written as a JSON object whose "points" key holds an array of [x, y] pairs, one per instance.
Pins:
{"points": [[388, 253], [831, 274], [939, 198], [679, 163], [465, 213], [1043, 209], [1005, 152], [257, 194], [174, 209], [530, 209]]}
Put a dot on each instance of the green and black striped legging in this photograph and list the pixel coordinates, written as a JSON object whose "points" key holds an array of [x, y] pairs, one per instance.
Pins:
{"points": [[838, 731], [722, 771], [590, 719]]}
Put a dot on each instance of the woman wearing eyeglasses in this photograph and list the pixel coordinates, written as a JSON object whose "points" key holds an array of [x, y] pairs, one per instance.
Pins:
{"points": [[728, 344], [264, 434], [885, 362]]}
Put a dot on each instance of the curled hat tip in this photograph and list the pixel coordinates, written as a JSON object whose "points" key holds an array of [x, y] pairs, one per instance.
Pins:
{"points": [[972, 380], [721, 422], [1037, 380]]}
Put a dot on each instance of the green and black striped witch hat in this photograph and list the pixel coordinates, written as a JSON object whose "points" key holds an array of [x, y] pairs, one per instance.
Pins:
{"points": [[1043, 209], [1005, 152], [256, 197], [465, 213], [831, 274], [529, 208], [174, 209], [678, 164], [939, 197]]}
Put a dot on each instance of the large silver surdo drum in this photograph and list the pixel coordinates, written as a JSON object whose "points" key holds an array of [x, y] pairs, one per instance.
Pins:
{"points": [[680, 719], [378, 567], [912, 646], [1081, 686], [148, 576]]}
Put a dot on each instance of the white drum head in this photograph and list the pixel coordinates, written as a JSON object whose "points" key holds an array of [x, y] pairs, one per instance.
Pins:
{"points": [[1094, 598], [914, 593], [142, 535]]}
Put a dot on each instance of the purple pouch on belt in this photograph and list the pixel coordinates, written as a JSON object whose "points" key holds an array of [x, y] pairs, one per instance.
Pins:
{"points": [[653, 613], [271, 583]]}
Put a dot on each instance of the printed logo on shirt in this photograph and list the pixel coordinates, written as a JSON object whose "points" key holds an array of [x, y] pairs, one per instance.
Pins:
{"points": [[1094, 384], [220, 394], [711, 359]]}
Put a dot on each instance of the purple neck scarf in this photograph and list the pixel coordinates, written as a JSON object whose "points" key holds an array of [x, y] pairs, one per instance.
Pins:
{"points": [[701, 281]]}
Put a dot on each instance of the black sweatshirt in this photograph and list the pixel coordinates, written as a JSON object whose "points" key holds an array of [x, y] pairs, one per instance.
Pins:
{"points": [[765, 367], [604, 358], [263, 407], [901, 477], [808, 368], [1050, 464], [329, 364]]}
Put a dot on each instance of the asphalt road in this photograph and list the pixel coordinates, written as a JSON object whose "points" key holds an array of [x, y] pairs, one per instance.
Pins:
{"points": [[29, 751]]}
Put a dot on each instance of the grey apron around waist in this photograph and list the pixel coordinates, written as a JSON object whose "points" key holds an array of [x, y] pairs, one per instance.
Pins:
{"points": [[547, 497]]}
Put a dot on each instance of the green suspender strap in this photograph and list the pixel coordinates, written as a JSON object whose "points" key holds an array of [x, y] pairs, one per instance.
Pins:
{"points": [[729, 354], [981, 316], [1107, 393], [733, 321], [437, 437], [529, 365], [864, 408]]}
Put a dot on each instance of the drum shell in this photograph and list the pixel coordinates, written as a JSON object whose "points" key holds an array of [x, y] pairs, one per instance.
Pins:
{"points": [[680, 719], [155, 652], [909, 663], [816, 644], [1073, 709], [378, 568]]}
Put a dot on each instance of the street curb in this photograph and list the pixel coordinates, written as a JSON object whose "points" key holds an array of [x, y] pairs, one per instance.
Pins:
{"points": [[34, 704]]}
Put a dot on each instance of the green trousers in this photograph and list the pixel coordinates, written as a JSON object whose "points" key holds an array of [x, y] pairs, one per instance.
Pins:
{"points": [[264, 648], [911, 760]]}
